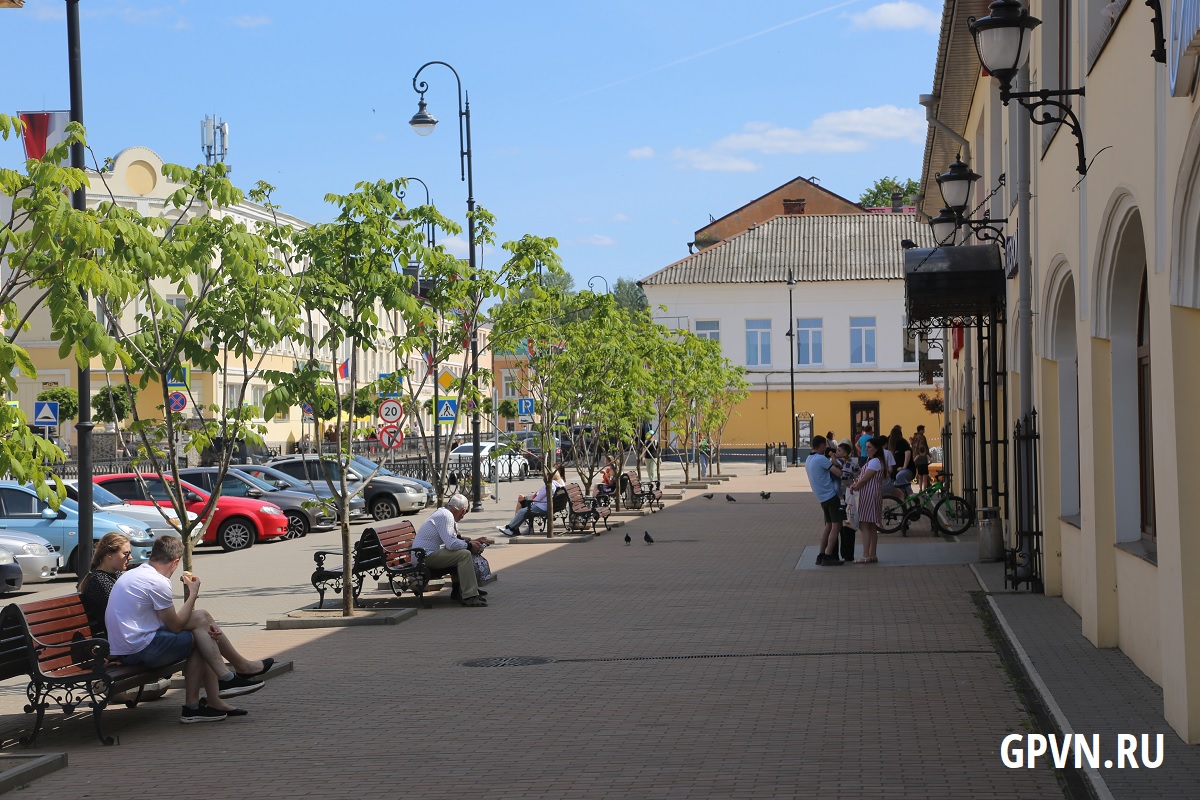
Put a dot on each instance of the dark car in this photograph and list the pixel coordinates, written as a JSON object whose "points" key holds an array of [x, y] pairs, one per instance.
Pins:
{"points": [[281, 480], [243, 453], [303, 510], [385, 496]]}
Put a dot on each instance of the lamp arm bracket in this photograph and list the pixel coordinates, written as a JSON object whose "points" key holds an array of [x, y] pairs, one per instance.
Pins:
{"points": [[1044, 98], [1159, 53]]}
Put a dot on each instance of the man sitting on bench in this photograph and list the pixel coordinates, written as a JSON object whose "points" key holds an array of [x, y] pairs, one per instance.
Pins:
{"points": [[445, 549], [145, 628]]}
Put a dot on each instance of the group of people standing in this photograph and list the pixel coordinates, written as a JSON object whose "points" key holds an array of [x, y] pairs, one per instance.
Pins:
{"points": [[860, 475]]}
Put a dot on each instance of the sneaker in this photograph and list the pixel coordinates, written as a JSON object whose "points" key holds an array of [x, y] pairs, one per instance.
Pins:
{"points": [[820, 559], [233, 712], [201, 714], [238, 685], [832, 561], [475, 602], [507, 531]]}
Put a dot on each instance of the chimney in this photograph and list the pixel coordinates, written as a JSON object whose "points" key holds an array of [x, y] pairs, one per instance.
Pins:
{"points": [[793, 206], [897, 202]]}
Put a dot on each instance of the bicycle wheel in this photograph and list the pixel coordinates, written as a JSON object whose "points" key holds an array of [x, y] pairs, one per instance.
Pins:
{"points": [[892, 518], [953, 515]]}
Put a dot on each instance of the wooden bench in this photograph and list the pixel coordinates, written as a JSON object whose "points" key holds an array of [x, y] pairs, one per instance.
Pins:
{"points": [[52, 642], [583, 510], [642, 493], [385, 549]]}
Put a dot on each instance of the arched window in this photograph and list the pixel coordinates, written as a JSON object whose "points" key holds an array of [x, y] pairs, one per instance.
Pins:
{"points": [[1145, 423]]}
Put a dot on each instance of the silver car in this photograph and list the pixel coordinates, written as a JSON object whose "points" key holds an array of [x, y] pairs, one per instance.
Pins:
{"points": [[39, 563], [151, 516]]}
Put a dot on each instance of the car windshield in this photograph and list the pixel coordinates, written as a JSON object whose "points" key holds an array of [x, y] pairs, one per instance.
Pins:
{"points": [[371, 466], [104, 497], [259, 482], [69, 504]]}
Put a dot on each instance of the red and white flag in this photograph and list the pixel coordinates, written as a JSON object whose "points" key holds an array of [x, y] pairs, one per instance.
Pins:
{"points": [[43, 130]]}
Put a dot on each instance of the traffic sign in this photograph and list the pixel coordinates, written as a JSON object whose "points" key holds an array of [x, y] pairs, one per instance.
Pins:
{"points": [[45, 413], [180, 377], [390, 411], [390, 436], [447, 410], [388, 376], [525, 406], [445, 379], [178, 401], [306, 409]]}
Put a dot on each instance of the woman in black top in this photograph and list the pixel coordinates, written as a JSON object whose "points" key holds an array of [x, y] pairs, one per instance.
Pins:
{"points": [[902, 452], [109, 560]]}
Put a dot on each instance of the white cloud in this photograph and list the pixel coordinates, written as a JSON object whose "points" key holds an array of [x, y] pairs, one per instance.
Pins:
{"points": [[250, 20], [641, 152], [712, 160], [899, 15], [598, 240], [620, 217]]}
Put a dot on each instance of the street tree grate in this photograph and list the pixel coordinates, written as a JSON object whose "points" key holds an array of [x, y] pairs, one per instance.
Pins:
{"points": [[507, 661]]}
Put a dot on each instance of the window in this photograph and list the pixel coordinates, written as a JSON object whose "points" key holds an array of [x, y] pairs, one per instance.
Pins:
{"points": [[758, 342], [709, 329], [862, 340], [19, 505], [808, 342], [510, 383]]}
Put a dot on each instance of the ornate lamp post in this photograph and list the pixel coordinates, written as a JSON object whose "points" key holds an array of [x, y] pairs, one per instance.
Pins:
{"points": [[423, 123]]}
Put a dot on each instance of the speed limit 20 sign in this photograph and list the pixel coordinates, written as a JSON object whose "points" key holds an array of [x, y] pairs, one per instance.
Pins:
{"points": [[390, 411]]}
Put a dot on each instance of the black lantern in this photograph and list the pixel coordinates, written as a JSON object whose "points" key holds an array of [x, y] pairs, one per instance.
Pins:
{"points": [[1002, 40], [423, 122], [955, 184], [944, 227]]}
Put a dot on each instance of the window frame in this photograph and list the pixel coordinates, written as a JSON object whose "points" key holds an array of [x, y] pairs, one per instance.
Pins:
{"points": [[862, 330], [819, 328], [758, 347]]}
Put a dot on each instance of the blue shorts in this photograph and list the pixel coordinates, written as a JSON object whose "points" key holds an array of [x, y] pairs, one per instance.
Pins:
{"points": [[166, 648]]}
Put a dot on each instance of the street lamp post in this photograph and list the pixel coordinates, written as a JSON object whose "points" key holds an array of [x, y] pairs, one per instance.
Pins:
{"points": [[423, 124], [433, 342], [791, 335]]}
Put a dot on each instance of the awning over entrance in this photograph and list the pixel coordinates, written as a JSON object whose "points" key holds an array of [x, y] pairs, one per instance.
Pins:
{"points": [[953, 285]]}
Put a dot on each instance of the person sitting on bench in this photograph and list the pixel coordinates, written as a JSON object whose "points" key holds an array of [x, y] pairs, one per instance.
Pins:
{"points": [[536, 503], [445, 549], [144, 627]]}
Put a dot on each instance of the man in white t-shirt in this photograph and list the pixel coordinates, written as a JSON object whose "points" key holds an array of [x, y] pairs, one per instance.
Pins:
{"points": [[145, 628]]}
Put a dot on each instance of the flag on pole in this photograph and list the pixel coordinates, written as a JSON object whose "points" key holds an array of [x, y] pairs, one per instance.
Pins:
{"points": [[344, 369], [43, 130]]}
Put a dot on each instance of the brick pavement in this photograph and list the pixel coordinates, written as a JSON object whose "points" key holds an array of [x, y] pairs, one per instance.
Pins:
{"points": [[706, 665]]}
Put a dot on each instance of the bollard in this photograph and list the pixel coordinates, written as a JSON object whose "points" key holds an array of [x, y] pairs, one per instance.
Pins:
{"points": [[991, 535]]}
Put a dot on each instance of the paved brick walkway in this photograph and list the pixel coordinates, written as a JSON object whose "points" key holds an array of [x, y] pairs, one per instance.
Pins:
{"points": [[707, 665]]}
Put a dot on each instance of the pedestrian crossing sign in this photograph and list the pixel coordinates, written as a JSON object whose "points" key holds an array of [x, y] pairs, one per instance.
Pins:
{"points": [[447, 410]]}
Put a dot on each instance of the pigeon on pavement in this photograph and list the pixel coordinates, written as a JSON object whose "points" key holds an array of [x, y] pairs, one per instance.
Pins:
{"points": [[731, 498], [628, 538], [707, 496], [648, 538], [765, 495]]}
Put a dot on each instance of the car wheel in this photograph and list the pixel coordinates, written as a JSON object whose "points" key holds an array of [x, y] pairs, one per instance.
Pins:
{"points": [[235, 534], [384, 506], [297, 525], [71, 564]]}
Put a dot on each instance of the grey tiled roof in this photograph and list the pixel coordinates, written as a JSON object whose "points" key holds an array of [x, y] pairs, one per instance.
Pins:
{"points": [[818, 247]]}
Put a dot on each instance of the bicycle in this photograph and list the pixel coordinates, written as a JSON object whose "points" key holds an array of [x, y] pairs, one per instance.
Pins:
{"points": [[948, 514]]}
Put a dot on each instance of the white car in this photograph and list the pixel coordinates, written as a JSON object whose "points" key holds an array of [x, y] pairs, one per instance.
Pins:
{"points": [[494, 459]]}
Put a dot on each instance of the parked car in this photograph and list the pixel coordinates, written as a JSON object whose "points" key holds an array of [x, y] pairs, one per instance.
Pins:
{"points": [[35, 556], [494, 459], [301, 508], [281, 480], [11, 578], [235, 522], [386, 496], [22, 511], [109, 503], [370, 466]]}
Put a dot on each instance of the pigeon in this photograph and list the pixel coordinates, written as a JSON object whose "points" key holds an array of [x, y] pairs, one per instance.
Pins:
{"points": [[765, 495], [731, 498], [707, 496], [648, 538], [628, 538]]}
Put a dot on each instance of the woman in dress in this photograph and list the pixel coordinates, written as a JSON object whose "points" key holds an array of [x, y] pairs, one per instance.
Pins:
{"points": [[870, 500], [109, 560]]}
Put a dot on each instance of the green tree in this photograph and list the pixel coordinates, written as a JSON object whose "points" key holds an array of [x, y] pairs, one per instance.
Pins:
{"points": [[115, 403], [629, 295], [67, 399], [880, 193], [508, 408]]}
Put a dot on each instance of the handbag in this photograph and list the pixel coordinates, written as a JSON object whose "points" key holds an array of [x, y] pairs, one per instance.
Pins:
{"points": [[852, 510], [483, 570]]}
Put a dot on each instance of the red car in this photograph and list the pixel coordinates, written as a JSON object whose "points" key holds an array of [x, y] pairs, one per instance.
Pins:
{"points": [[235, 524]]}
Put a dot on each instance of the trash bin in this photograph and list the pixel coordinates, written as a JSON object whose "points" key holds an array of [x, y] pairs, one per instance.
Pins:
{"points": [[781, 463], [991, 535]]}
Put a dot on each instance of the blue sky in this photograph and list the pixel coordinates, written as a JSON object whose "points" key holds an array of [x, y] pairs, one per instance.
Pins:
{"points": [[615, 127]]}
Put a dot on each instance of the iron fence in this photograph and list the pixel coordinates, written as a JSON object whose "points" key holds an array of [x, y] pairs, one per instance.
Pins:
{"points": [[1024, 562]]}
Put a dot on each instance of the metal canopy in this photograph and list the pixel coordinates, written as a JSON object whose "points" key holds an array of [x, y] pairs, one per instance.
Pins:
{"points": [[947, 286]]}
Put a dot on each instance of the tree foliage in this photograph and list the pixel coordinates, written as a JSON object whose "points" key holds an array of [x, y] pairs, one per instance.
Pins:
{"points": [[67, 399], [880, 193]]}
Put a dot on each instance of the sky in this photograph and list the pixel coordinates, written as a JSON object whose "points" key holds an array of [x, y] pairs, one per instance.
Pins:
{"points": [[617, 128]]}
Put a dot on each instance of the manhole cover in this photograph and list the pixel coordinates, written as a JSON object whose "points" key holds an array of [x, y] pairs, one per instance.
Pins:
{"points": [[507, 661]]}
